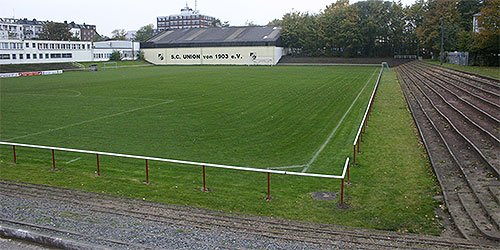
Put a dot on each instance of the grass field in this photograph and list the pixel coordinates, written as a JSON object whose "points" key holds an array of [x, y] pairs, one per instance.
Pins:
{"points": [[482, 70], [246, 116]]}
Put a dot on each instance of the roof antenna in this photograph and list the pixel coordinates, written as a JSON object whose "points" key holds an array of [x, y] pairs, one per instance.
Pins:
{"points": [[195, 5]]}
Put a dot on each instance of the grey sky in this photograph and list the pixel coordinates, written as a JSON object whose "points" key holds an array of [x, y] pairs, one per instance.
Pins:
{"points": [[108, 15]]}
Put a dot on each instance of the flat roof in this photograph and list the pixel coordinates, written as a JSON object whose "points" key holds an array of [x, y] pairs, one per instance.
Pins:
{"points": [[216, 37]]}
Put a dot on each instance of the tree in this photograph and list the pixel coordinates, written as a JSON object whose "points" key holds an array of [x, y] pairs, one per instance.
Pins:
{"points": [[119, 34], [144, 33], [274, 22], [218, 23], [99, 38], [250, 23], [56, 31], [115, 56], [488, 39]]}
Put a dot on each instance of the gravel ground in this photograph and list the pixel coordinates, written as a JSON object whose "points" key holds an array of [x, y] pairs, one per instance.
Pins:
{"points": [[82, 220]]}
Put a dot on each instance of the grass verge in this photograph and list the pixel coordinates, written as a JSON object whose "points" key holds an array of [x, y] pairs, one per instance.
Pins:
{"points": [[481, 70]]}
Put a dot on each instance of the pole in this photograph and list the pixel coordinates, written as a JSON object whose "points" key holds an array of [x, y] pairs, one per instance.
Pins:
{"points": [[358, 146], [53, 160], [354, 156], [268, 186], [98, 170], [147, 172], [441, 56], [204, 183], [342, 193], [14, 150]]}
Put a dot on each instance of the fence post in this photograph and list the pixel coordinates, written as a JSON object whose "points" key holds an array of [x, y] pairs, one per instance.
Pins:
{"points": [[53, 161], [358, 146], [14, 150], [354, 155], [348, 180], [268, 186], [204, 183], [361, 135], [342, 193], [98, 170], [147, 172]]}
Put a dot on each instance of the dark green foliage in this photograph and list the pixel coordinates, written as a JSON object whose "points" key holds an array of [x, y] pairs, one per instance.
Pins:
{"points": [[144, 33], [56, 31], [115, 56]]}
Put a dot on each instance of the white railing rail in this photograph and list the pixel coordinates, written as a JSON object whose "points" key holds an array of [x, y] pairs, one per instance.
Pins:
{"points": [[359, 134], [201, 164]]}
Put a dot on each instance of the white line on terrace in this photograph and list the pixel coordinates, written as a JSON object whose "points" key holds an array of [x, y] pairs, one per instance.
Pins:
{"points": [[91, 120], [306, 166], [76, 159]]}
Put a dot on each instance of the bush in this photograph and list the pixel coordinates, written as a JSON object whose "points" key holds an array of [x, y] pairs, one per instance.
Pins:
{"points": [[115, 56]]}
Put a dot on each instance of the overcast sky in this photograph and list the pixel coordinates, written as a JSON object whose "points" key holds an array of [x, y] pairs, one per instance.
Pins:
{"points": [[108, 15]]}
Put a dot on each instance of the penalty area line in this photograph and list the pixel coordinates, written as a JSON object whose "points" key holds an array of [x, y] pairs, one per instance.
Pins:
{"points": [[306, 166]]}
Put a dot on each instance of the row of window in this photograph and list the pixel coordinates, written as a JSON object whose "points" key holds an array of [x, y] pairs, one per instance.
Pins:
{"points": [[36, 56], [185, 18], [182, 23], [102, 55], [44, 46]]}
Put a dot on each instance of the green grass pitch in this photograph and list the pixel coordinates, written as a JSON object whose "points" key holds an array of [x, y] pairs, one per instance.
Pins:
{"points": [[257, 117]]}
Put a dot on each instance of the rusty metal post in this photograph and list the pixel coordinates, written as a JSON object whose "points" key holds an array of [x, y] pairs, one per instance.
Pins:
{"points": [[98, 170], [204, 183], [147, 172], [53, 160], [268, 186], [14, 150], [354, 156], [342, 193]]}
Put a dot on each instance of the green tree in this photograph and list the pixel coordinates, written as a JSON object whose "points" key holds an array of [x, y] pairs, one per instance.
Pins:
{"points": [[487, 41], [119, 34], [56, 31], [440, 17], [144, 33], [115, 56]]}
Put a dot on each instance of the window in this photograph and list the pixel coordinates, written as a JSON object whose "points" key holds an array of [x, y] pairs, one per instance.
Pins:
{"points": [[4, 56], [33, 45], [34, 56], [55, 56], [51, 46], [21, 56], [67, 55], [13, 56], [27, 45], [47, 56], [40, 56], [88, 46], [28, 56], [74, 46]]}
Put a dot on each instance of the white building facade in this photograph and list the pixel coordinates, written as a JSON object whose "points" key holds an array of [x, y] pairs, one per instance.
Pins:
{"points": [[39, 51]]}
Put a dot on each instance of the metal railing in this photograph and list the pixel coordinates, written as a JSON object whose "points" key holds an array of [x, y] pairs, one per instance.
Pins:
{"points": [[362, 126], [192, 163]]}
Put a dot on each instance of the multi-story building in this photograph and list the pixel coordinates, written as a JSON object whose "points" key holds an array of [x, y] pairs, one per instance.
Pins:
{"points": [[84, 32], [42, 51], [12, 28], [24, 29], [188, 18]]}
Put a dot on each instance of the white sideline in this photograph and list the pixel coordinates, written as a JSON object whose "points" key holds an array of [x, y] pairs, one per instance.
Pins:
{"points": [[201, 164], [87, 121], [76, 159], [336, 127]]}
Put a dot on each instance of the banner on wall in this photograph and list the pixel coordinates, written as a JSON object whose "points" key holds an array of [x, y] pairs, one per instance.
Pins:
{"points": [[34, 73]]}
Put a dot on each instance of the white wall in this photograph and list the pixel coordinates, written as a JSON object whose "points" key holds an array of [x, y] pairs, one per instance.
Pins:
{"points": [[258, 55], [39, 51]]}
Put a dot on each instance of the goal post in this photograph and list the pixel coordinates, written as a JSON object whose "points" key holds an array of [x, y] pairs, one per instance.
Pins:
{"points": [[110, 65]]}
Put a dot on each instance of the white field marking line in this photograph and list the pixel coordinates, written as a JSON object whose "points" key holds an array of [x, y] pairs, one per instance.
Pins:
{"points": [[78, 93], [82, 96], [76, 159], [91, 120], [338, 125], [285, 167]]}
